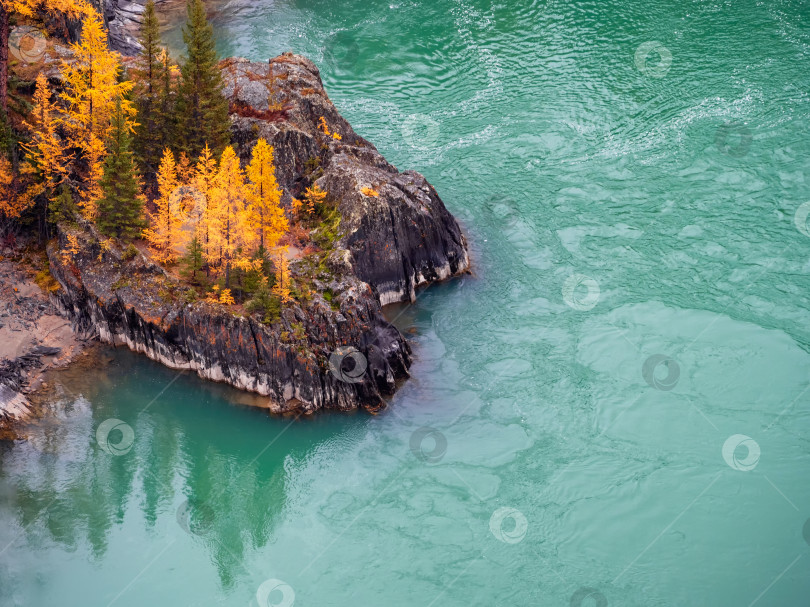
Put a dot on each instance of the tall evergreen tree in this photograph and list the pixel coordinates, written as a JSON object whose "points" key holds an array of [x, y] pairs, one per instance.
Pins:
{"points": [[62, 207], [201, 111], [192, 261], [120, 209], [167, 99], [151, 133]]}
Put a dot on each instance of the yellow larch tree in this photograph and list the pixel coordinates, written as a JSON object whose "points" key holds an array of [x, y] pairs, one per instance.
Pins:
{"points": [[11, 205], [91, 91], [230, 205], [313, 197], [266, 218], [226, 298], [47, 159], [205, 181], [185, 172], [165, 234]]}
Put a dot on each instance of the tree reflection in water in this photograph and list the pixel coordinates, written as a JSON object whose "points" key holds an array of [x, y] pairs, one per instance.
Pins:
{"points": [[213, 469]]}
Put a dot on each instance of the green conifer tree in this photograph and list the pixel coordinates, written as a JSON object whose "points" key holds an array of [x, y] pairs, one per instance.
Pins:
{"points": [[201, 109], [192, 261], [167, 101], [120, 209], [62, 208], [150, 134]]}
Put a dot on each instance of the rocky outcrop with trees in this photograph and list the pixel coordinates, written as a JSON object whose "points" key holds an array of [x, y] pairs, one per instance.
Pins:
{"points": [[274, 233]]}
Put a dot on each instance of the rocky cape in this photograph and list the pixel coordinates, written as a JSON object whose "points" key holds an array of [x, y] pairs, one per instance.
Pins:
{"points": [[324, 353]]}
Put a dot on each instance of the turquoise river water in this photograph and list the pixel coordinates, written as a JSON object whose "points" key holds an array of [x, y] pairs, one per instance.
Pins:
{"points": [[614, 408]]}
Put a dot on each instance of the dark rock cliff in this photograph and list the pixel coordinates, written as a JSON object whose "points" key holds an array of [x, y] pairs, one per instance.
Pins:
{"points": [[124, 19], [337, 354], [398, 240], [316, 357]]}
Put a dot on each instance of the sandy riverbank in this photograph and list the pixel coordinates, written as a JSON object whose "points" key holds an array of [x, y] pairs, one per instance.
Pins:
{"points": [[33, 338]]}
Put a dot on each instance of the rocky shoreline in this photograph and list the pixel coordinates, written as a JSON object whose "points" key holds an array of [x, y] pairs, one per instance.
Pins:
{"points": [[34, 338], [335, 352]]}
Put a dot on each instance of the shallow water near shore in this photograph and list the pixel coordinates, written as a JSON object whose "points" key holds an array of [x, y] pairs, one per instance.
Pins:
{"points": [[635, 435]]}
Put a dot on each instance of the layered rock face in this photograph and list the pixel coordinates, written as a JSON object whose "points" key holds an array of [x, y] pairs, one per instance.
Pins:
{"points": [[315, 357], [338, 353], [124, 19]]}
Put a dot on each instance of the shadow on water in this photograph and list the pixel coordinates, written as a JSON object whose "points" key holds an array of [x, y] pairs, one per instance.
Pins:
{"points": [[182, 456]]}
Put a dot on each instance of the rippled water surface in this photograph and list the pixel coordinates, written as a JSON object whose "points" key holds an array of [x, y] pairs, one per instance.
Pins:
{"points": [[629, 174]]}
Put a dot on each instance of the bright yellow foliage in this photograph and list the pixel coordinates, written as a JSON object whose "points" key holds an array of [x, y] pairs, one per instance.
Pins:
{"points": [[185, 172], [71, 249], [370, 192], [213, 296], [265, 217], [229, 196], [165, 234], [247, 264], [313, 197], [28, 8], [205, 182], [91, 92], [325, 129], [226, 298], [296, 205], [11, 205], [46, 153]]}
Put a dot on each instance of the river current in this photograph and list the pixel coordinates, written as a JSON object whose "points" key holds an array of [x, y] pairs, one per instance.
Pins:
{"points": [[612, 410]]}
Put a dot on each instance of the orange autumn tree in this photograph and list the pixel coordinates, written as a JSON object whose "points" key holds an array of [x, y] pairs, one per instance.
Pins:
{"points": [[313, 197], [165, 233], [265, 217], [11, 205], [229, 197], [47, 159], [205, 182], [91, 91]]}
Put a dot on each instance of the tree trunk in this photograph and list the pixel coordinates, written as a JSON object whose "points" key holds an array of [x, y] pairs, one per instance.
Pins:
{"points": [[4, 30]]}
